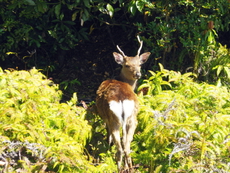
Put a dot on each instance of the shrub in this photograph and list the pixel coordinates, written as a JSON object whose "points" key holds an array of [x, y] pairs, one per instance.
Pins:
{"points": [[37, 132], [184, 128]]}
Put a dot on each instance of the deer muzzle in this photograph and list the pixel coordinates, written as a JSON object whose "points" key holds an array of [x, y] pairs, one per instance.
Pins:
{"points": [[138, 75]]}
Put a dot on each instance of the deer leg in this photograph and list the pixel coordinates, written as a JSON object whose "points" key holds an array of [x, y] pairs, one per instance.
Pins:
{"points": [[124, 145], [130, 129], [117, 142], [109, 135]]}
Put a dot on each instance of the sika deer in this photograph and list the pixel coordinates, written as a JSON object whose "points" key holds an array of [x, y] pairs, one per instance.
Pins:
{"points": [[117, 104]]}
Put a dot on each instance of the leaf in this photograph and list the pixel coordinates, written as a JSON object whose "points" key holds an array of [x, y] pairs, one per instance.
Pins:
{"points": [[145, 85], [152, 73], [42, 6], [166, 83], [161, 67], [10, 53], [133, 8], [30, 2], [69, 22], [219, 69], [158, 169], [219, 84], [57, 10], [140, 5], [62, 16], [110, 10], [86, 3], [85, 15], [227, 70], [74, 15]]}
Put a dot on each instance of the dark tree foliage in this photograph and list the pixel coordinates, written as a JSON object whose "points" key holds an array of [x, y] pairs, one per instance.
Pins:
{"points": [[41, 33]]}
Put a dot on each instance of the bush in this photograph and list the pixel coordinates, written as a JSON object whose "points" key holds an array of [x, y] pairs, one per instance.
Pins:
{"points": [[37, 132], [184, 128]]}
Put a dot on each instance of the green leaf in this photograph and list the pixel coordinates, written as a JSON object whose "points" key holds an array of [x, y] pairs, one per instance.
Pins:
{"points": [[57, 10], [30, 2], [140, 5], [85, 15], [133, 8], [110, 10], [219, 69], [62, 16], [145, 85], [152, 72], [74, 15], [227, 70], [42, 6], [158, 169], [161, 67], [87, 3]]}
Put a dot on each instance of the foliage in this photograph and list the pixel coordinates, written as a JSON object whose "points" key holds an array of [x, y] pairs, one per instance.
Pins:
{"points": [[50, 29], [183, 129], [67, 83], [35, 125], [176, 30], [41, 32], [44, 26]]}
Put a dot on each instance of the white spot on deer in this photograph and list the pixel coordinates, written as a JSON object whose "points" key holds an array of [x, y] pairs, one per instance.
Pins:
{"points": [[128, 107], [124, 108], [116, 108]]}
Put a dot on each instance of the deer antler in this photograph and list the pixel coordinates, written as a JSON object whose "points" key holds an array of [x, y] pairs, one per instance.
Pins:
{"points": [[123, 54], [141, 44]]}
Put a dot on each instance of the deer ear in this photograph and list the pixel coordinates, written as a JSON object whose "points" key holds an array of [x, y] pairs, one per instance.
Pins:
{"points": [[144, 57], [118, 58]]}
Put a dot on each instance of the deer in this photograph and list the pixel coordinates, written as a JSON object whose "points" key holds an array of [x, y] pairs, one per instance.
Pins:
{"points": [[117, 104]]}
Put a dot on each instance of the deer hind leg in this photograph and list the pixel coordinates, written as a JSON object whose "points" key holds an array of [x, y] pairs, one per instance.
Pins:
{"points": [[129, 126], [127, 139], [109, 135], [115, 132]]}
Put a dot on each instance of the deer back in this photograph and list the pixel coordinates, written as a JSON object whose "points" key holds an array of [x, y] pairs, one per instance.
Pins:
{"points": [[116, 100]]}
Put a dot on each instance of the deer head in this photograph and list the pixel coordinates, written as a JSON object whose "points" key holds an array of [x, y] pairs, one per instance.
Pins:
{"points": [[131, 66]]}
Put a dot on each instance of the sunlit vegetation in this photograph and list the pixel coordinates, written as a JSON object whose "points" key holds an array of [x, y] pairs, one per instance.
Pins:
{"points": [[37, 131], [183, 125], [184, 116]]}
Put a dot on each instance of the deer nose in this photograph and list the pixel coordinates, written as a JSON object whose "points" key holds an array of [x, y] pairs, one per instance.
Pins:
{"points": [[138, 75]]}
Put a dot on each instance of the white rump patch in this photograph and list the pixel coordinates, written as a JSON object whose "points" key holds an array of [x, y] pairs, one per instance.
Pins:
{"points": [[128, 107], [116, 107], [124, 108]]}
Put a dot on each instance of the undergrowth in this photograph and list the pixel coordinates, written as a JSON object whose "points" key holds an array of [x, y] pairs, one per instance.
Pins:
{"points": [[183, 126], [37, 132]]}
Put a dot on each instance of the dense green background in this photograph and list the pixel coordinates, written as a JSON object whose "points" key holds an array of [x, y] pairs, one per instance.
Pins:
{"points": [[184, 115], [46, 34]]}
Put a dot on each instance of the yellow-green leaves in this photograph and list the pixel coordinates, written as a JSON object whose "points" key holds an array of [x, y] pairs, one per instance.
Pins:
{"points": [[184, 127], [30, 112]]}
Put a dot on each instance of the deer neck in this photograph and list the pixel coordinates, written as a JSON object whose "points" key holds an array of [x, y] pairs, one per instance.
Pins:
{"points": [[132, 83]]}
